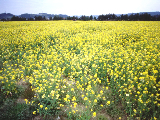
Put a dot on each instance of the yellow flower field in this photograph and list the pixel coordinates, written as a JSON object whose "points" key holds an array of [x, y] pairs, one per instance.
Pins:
{"points": [[80, 68]]}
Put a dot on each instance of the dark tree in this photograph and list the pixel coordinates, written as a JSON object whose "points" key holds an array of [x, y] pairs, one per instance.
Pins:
{"points": [[50, 18], [101, 17], [69, 18], [44, 18], [122, 17], [113, 16], [74, 18], [16, 18], [91, 17], [57, 18], [83, 17], [95, 18], [158, 18], [107, 17], [145, 17], [3, 19], [125, 17], [38, 18], [30, 19]]}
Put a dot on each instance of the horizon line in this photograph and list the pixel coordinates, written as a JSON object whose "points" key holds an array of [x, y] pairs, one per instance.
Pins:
{"points": [[77, 15]]}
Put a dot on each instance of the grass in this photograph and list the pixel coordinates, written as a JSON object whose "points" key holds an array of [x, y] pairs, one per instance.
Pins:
{"points": [[15, 111]]}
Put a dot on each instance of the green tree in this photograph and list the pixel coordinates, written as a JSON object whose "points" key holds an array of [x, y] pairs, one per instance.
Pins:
{"points": [[91, 17], [50, 18]]}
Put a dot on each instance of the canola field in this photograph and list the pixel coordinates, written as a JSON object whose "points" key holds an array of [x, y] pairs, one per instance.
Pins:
{"points": [[83, 69]]}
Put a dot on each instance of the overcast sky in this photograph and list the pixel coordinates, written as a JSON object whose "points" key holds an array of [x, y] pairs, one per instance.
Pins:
{"points": [[78, 7]]}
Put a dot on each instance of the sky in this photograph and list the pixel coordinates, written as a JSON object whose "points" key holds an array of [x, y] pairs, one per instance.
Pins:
{"points": [[78, 7]]}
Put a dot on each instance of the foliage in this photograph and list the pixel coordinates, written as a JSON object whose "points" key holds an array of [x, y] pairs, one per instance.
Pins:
{"points": [[113, 17], [16, 18], [13, 111]]}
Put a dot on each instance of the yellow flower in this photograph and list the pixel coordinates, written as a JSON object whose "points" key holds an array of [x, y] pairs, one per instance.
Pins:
{"points": [[106, 88], [72, 89], [61, 105], [73, 111], [34, 112], [52, 93], [67, 96], [74, 98], [94, 114], [57, 96], [95, 100], [108, 102], [95, 75], [135, 110], [41, 106], [46, 108], [85, 98], [75, 104], [101, 92], [155, 118], [144, 92], [138, 92], [92, 92], [26, 101], [1, 76], [65, 99]]}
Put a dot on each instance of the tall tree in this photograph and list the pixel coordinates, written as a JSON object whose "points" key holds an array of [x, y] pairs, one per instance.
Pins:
{"points": [[91, 17], [50, 18]]}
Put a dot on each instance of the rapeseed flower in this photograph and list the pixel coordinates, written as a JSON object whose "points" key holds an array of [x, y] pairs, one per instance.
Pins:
{"points": [[94, 114], [65, 61], [41, 106]]}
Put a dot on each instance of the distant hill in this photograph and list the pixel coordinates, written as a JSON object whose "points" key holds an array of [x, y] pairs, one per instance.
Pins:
{"points": [[151, 13], [47, 16], [6, 15], [26, 15], [85, 15]]}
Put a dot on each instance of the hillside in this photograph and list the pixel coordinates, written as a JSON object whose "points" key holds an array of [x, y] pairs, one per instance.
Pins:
{"points": [[26, 15], [6, 15]]}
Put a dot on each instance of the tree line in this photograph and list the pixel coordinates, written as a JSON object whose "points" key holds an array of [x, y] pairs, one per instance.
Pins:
{"points": [[132, 17], [107, 17]]}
